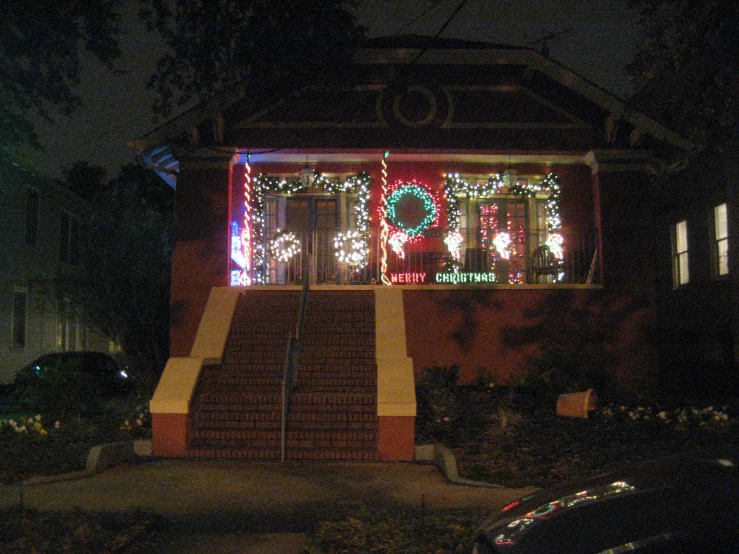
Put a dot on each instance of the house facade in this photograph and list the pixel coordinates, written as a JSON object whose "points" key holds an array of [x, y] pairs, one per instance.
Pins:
{"points": [[498, 194], [698, 276], [39, 232]]}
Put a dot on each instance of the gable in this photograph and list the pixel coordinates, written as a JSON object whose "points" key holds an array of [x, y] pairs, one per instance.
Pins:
{"points": [[485, 99]]}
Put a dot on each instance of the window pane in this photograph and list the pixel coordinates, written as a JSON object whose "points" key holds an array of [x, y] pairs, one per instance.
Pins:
{"points": [[64, 222], [32, 202], [723, 257], [681, 236], [719, 213], [19, 319], [683, 264]]}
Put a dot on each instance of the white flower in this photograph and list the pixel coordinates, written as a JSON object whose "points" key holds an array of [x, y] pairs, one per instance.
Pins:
{"points": [[57, 424]]}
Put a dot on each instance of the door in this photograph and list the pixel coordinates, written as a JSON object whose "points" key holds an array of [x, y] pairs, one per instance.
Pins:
{"points": [[315, 220], [503, 230]]}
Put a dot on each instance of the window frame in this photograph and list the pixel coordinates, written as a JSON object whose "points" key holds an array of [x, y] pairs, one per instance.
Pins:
{"points": [[720, 241], [680, 254], [33, 205], [69, 237], [19, 321]]}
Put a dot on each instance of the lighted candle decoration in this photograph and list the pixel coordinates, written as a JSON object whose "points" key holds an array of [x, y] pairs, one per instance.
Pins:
{"points": [[502, 242], [454, 241], [397, 242]]}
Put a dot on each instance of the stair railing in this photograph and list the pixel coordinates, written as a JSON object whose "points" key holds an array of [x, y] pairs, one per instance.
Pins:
{"points": [[293, 355]]}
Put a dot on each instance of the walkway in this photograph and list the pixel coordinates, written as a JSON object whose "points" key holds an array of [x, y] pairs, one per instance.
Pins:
{"points": [[251, 507]]}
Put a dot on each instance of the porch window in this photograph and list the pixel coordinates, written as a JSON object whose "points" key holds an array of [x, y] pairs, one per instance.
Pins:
{"points": [[720, 241], [680, 273]]}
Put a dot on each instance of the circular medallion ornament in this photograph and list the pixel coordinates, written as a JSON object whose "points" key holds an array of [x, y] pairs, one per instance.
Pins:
{"points": [[412, 209]]}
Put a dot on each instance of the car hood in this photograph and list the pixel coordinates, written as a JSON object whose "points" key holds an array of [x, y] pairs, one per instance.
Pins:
{"points": [[655, 501]]}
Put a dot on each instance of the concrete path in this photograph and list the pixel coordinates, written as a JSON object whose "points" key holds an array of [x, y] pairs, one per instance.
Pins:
{"points": [[253, 507]]}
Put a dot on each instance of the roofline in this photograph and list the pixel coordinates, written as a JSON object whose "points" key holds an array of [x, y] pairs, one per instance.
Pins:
{"points": [[432, 56]]}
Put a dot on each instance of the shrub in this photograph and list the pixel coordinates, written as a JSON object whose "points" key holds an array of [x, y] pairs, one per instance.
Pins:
{"points": [[394, 532]]}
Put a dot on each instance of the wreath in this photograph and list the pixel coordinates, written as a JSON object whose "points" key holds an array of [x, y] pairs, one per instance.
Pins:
{"points": [[412, 209], [283, 246]]}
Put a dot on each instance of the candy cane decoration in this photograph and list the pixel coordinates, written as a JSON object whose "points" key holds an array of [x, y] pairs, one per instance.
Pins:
{"points": [[245, 278], [384, 231]]}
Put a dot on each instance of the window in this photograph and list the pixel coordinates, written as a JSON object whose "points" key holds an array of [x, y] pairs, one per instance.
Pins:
{"points": [[32, 204], [721, 241], [69, 234], [680, 274], [67, 327], [18, 322]]}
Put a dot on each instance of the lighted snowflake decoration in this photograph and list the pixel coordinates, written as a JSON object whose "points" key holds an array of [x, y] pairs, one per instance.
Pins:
{"points": [[351, 248], [284, 246]]}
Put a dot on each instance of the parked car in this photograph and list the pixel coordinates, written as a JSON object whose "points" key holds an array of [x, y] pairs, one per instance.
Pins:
{"points": [[671, 505], [65, 383]]}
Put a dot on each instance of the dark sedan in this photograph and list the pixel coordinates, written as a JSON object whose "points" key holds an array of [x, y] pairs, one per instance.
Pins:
{"points": [[672, 505]]}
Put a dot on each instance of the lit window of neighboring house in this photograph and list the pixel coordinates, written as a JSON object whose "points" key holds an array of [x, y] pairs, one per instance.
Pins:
{"points": [[32, 205], [69, 235], [680, 274], [721, 240], [18, 321]]}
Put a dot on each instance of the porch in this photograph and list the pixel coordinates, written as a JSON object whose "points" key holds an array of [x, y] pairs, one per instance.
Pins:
{"points": [[343, 258]]}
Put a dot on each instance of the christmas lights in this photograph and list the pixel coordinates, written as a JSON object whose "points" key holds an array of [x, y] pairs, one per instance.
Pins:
{"points": [[502, 243], [351, 248], [284, 246], [397, 242], [419, 200], [268, 184], [453, 241], [384, 228]]}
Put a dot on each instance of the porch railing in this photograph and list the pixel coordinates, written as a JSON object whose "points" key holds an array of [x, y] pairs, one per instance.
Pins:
{"points": [[428, 262]]}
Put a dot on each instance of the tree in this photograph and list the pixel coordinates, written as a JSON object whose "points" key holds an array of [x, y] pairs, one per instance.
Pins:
{"points": [[687, 68], [84, 179], [40, 48], [122, 279], [269, 46]]}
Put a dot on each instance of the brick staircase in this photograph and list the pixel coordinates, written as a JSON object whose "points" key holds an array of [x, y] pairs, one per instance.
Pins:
{"points": [[237, 411]]}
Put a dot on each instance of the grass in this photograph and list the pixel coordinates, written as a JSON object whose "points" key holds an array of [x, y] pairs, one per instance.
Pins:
{"points": [[504, 437], [78, 531]]}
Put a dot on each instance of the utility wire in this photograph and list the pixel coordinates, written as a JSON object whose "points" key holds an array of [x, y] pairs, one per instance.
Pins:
{"points": [[362, 106]]}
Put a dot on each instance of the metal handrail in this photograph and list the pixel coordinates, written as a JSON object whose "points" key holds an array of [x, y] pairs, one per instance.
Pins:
{"points": [[293, 355]]}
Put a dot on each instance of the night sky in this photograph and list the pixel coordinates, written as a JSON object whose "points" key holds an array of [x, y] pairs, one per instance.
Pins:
{"points": [[598, 38]]}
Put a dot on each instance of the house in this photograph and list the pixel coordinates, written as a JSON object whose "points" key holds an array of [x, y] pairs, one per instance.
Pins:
{"points": [[481, 203], [697, 207], [39, 232]]}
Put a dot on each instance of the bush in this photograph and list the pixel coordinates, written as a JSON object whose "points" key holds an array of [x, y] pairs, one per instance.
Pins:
{"points": [[555, 371], [394, 532], [448, 412]]}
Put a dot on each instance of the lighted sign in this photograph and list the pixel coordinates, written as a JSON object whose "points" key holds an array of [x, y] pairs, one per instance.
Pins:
{"points": [[408, 278], [464, 278]]}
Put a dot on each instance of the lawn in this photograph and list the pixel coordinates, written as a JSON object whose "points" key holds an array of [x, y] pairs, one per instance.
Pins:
{"points": [[507, 436]]}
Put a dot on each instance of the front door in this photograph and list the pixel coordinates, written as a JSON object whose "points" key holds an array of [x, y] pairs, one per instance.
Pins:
{"points": [[315, 221], [503, 229]]}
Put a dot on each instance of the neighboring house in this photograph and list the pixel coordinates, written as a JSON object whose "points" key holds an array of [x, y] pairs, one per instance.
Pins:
{"points": [[496, 205], [698, 275], [39, 231]]}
